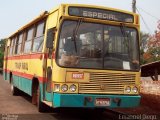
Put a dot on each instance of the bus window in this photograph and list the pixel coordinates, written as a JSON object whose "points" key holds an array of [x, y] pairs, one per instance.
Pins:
{"points": [[39, 36], [28, 41], [18, 44], [13, 40], [98, 46], [86, 50], [11, 45]]}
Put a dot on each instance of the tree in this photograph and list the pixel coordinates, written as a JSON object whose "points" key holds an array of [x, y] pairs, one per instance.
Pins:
{"points": [[143, 39], [2, 48], [143, 47], [152, 51]]}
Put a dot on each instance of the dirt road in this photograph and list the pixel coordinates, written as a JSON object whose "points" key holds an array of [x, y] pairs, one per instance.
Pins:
{"points": [[21, 108]]}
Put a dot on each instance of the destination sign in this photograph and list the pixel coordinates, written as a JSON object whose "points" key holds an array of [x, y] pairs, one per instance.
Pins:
{"points": [[100, 14]]}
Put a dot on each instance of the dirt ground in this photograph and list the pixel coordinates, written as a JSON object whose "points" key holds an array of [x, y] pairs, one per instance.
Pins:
{"points": [[150, 101]]}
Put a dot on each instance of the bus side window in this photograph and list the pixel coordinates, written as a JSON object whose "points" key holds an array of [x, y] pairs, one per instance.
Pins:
{"points": [[28, 41], [16, 45], [39, 37], [19, 43], [13, 40], [11, 45], [50, 38]]}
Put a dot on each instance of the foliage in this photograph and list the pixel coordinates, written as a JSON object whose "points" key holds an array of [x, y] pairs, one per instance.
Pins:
{"points": [[143, 46], [142, 57], [143, 39], [150, 46], [2, 47], [152, 54], [1, 59]]}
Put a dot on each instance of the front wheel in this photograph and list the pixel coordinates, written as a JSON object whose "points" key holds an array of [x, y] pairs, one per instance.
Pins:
{"points": [[40, 105]]}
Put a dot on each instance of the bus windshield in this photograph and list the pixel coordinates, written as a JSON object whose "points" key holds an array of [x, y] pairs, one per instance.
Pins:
{"points": [[98, 46]]}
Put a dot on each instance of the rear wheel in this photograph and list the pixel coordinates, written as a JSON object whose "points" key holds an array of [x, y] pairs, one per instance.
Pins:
{"points": [[14, 90]]}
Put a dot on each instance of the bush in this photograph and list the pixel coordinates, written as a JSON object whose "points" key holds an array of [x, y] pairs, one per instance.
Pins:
{"points": [[1, 59]]}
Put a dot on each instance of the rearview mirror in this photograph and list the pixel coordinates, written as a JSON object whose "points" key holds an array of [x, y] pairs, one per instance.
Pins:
{"points": [[50, 37]]}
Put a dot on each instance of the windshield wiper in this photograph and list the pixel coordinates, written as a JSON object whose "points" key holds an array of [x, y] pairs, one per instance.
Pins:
{"points": [[125, 36], [122, 26], [76, 31]]}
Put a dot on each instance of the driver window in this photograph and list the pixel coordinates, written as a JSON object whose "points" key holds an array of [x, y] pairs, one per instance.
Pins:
{"points": [[91, 44], [117, 42]]}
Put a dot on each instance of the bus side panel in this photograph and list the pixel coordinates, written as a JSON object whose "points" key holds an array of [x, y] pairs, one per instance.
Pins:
{"points": [[5, 75], [5, 61], [23, 84], [52, 22], [24, 70]]}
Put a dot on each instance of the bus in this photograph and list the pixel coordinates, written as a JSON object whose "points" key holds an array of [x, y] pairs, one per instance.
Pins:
{"points": [[79, 56]]}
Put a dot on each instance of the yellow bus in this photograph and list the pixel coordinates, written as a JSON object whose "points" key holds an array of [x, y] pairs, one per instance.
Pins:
{"points": [[76, 55]]}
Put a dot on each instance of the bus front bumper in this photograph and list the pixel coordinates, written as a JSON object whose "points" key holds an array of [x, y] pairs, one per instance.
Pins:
{"points": [[93, 100]]}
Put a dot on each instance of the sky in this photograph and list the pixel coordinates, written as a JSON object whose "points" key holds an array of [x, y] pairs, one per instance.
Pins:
{"points": [[16, 13]]}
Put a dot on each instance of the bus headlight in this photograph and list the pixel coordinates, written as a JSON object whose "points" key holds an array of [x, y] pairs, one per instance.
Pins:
{"points": [[73, 88], [135, 89], [57, 87], [128, 89], [64, 88]]}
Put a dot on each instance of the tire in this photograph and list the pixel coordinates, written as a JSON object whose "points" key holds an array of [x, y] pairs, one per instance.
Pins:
{"points": [[14, 90], [40, 105]]}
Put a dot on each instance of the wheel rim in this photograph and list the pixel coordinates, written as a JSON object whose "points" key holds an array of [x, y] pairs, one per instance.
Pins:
{"points": [[12, 87]]}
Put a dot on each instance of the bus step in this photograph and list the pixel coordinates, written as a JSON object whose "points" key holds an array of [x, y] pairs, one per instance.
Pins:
{"points": [[47, 103]]}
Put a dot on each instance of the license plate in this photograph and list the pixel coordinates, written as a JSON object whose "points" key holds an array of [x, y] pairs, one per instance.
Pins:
{"points": [[102, 102]]}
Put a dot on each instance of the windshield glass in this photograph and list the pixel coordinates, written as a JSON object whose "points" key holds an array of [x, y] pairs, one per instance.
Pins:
{"points": [[92, 45]]}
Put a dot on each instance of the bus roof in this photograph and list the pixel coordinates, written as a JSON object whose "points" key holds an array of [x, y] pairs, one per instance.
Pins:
{"points": [[99, 7], [46, 13]]}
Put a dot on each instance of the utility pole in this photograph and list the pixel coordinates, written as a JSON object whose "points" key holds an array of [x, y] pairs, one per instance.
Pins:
{"points": [[134, 6]]}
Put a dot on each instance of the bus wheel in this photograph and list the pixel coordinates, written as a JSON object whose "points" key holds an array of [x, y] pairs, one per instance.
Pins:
{"points": [[40, 104], [14, 90]]}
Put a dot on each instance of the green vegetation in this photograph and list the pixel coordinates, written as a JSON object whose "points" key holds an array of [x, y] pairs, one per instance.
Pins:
{"points": [[143, 46], [2, 47], [150, 47]]}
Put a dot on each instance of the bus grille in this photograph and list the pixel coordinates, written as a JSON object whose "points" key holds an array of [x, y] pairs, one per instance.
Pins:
{"points": [[103, 83]]}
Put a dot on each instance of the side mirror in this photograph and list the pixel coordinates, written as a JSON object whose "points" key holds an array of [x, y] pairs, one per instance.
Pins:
{"points": [[50, 37]]}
